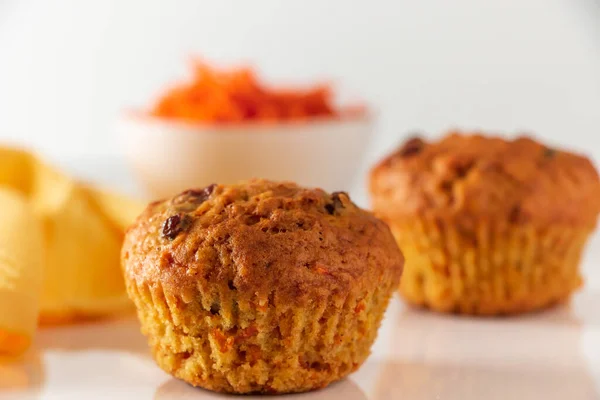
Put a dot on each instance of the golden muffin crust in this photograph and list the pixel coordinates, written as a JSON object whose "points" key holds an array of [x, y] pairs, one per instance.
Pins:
{"points": [[471, 176], [260, 238]]}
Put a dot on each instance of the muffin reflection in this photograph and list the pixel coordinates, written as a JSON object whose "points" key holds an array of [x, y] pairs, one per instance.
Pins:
{"points": [[471, 382], [531, 357], [177, 390]]}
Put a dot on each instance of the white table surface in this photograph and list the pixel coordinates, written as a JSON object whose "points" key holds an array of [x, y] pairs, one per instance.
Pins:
{"points": [[418, 355]]}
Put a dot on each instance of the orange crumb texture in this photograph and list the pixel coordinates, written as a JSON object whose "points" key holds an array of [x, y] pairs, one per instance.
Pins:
{"points": [[220, 96]]}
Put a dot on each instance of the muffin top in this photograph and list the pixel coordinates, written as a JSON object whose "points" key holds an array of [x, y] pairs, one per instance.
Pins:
{"points": [[263, 240], [474, 177]]}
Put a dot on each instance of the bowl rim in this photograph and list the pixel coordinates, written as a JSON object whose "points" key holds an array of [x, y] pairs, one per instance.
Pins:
{"points": [[260, 127]]}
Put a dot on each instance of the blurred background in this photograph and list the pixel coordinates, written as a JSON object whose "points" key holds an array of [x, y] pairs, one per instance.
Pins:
{"points": [[68, 68]]}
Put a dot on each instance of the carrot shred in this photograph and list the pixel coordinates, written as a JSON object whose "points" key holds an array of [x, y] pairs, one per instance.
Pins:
{"points": [[360, 307], [237, 95]]}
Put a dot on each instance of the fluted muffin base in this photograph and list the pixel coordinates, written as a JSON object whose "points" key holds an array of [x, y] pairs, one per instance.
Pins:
{"points": [[227, 345], [493, 269]]}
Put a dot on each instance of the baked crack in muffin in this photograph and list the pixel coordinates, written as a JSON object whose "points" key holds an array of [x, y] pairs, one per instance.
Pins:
{"points": [[261, 286], [487, 226]]}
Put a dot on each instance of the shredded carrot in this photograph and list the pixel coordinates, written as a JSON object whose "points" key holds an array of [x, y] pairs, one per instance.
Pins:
{"points": [[360, 307], [253, 353], [219, 96], [224, 343], [246, 333]]}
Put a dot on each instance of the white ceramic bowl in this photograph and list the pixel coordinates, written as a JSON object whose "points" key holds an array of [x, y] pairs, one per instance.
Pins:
{"points": [[168, 157]]}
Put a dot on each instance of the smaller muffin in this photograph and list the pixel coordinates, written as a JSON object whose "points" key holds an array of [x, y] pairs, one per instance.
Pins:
{"points": [[260, 287], [487, 225]]}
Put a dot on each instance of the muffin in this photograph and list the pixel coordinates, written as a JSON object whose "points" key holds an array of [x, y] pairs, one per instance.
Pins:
{"points": [[487, 226], [260, 287]]}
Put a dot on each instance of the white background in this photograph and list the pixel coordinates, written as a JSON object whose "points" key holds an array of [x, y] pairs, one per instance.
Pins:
{"points": [[68, 67]]}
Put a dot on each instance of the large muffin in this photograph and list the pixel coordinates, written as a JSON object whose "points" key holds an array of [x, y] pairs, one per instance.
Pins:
{"points": [[261, 286], [487, 225]]}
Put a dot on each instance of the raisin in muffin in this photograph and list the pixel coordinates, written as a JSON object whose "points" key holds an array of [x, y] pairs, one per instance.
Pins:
{"points": [[261, 286], [487, 225]]}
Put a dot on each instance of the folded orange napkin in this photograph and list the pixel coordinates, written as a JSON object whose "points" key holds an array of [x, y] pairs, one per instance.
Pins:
{"points": [[59, 248]]}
